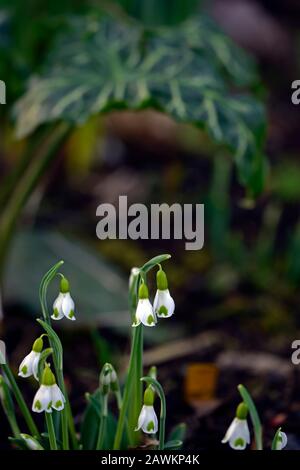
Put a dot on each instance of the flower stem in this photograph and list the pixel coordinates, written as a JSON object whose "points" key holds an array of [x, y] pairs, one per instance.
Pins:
{"points": [[8, 407], [163, 409], [51, 432], [128, 387], [103, 423], [20, 400]]}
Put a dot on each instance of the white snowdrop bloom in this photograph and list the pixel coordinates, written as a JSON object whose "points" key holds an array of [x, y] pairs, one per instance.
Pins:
{"points": [[281, 440], [238, 435], [43, 400], [57, 398], [164, 304], [31, 443], [29, 365], [63, 305], [48, 395], [144, 312], [148, 420]]}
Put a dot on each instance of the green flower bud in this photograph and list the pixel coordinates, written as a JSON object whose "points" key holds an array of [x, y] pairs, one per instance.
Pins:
{"points": [[64, 285], [153, 372], [143, 291], [242, 411], [149, 396], [161, 280], [48, 377], [38, 345]]}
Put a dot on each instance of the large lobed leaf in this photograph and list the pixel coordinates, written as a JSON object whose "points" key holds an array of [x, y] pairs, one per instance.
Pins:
{"points": [[99, 65]]}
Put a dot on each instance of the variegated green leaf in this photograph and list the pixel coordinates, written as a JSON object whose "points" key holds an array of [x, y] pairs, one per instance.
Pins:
{"points": [[99, 65]]}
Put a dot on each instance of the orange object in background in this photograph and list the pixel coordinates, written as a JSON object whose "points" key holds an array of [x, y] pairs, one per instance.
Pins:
{"points": [[201, 382]]}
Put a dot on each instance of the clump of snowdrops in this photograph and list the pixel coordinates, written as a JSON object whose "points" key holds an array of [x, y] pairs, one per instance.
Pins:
{"points": [[134, 401], [136, 416]]}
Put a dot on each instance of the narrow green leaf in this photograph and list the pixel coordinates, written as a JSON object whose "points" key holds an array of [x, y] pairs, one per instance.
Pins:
{"points": [[253, 414], [154, 262], [57, 346]]}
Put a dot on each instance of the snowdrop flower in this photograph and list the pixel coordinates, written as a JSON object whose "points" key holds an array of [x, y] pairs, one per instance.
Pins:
{"points": [[64, 305], [108, 379], [144, 312], [31, 443], [48, 395], [281, 440], [164, 304], [148, 420], [29, 365], [238, 435]]}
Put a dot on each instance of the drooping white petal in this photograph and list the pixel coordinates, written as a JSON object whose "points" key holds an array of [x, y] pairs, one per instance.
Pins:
{"points": [[57, 398], [35, 365], [68, 306], [150, 422], [57, 307], [145, 313], [42, 400], [164, 304], [281, 441], [141, 418], [28, 365], [238, 434]]}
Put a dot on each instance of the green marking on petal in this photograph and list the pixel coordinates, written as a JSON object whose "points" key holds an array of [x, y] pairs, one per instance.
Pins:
{"points": [[49, 405], [150, 319], [150, 426], [72, 314], [55, 313], [58, 404], [163, 311], [24, 370], [239, 442], [38, 405]]}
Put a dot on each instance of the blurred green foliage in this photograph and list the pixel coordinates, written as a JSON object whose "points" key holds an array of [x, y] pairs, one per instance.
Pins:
{"points": [[71, 61]]}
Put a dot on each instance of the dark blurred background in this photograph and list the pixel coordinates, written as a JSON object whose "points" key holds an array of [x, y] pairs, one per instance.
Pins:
{"points": [[237, 300]]}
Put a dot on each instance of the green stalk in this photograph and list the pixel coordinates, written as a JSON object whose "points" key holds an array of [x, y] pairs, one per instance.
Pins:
{"points": [[127, 396], [8, 407], [51, 432], [20, 400], [163, 409], [254, 416], [103, 423], [137, 391], [26, 184]]}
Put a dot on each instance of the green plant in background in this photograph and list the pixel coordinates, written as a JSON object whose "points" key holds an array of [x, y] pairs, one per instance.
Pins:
{"points": [[238, 434], [98, 63], [134, 413]]}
